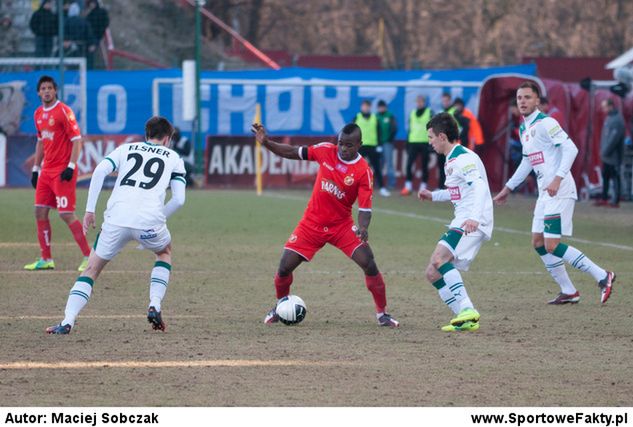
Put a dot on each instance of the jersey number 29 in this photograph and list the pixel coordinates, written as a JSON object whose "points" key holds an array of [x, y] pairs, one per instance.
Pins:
{"points": [[154, 173]]}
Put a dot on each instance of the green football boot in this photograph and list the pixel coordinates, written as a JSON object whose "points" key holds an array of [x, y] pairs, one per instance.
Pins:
{"points": [[41, 264], [464, 327], [83, 265], [466, 315]]}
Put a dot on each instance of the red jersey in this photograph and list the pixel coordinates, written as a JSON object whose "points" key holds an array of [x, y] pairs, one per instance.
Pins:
{"points": [[338, 184], [57, 128]]}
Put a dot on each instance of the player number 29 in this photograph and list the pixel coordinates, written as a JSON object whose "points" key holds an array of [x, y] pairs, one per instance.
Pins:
{"points": [[154, 173]]}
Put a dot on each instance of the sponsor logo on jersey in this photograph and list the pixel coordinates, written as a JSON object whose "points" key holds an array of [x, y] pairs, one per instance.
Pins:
{"points": [[341, 168], [45, 116], [455, 193], [148, 234], [51, 121], [47, 134], [330, 187], [349, 180], [536, 158], [327, 166], [293, 238]]}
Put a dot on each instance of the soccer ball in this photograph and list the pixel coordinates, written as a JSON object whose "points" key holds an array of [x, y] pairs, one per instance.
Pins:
{"points": [[291, 310]]}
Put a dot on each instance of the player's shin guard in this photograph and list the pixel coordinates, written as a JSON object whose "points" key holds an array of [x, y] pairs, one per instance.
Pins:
{"points": [[282, 285], [455, 284], [446, 295], [376, 285], [158, 283], [579, 260], [556, 268], [78, 233], [44, 237], [77, 300]]}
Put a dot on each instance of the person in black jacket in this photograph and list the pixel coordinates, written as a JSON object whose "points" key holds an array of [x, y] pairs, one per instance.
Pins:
{"points": [[44, 25], [98, 19], [78, 36]]}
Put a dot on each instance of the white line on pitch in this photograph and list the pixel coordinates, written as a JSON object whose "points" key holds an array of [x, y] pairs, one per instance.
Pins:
{"points": [[444, 221], [31, 244], [127, 364]]}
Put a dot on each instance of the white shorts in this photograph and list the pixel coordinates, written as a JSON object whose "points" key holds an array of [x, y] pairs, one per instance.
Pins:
{"points": [[113, 238], [463, 247], [553, 217]]}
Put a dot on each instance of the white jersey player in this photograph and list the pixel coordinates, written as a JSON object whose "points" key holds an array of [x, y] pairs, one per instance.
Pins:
{"points": [[136, 211], [468, 190], [550, 153]]}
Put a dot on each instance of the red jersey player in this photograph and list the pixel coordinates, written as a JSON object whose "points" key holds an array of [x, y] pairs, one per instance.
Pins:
{"points": [[343, 177], [54, 171]]}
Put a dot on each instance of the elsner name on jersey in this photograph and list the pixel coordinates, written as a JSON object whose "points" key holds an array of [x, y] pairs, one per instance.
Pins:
{"points": [[150, 149]]}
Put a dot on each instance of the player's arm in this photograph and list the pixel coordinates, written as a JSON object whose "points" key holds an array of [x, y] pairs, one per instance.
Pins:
{"points": [[282, 150], [560, 139], [365, 193], [72, 130], [522, 172], [434, 196], [103, 169], [178, 186], [37, 164]]}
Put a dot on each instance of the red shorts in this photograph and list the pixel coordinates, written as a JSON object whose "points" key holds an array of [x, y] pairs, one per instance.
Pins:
{"points": [[54, 193], [308, 238]]}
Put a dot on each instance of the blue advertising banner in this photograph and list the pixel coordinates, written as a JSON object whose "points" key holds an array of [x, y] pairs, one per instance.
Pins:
{"points": [[295, 101]]}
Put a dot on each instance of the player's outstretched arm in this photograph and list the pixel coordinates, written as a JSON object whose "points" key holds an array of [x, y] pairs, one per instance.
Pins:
{"points": [[282, 150]]}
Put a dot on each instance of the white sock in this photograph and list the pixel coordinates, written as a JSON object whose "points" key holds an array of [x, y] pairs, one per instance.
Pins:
{"points": [[580, 261], [556, 268], [408, 185], [77, 300], [455, 283], [158, 283], [446, 295]]}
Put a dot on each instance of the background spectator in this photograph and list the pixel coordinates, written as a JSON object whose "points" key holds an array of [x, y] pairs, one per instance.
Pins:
{"points": [[475, 133], [182, 146], [387, 134], [78, 36], [44, 25], [371, 148], [418, 144], [551, 111], [98, 19], [9, 37], [611, 151]]}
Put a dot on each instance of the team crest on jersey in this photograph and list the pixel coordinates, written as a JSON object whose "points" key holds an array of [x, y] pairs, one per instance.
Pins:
{"points": [[349, 180], [51, 121], [449, 171], [293, 238]]}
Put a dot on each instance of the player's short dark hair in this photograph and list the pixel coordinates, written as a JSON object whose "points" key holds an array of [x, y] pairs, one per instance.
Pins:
{"points": [[366, 102], [446, 95], [350, 128], [458, 101], [544, 100], [444, 123], [382, 103], [531, 85], [46, 79], [610, 102], [158, 127]]}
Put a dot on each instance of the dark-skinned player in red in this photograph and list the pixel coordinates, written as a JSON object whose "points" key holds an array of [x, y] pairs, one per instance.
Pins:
{"points": [[343, 177]]}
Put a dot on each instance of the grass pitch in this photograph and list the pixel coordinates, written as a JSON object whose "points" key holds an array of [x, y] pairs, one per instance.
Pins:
{"points": [[216, 351]]}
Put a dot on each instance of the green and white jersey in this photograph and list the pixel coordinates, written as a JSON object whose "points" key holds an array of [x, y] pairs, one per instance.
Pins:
{"points": [[145, 171], [549, 151], [468, 189]]}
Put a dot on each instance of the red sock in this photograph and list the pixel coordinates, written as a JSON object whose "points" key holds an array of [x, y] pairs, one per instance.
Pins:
{"points": [[44, 236], [78, 233], [376, 285], [282, 285]]}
